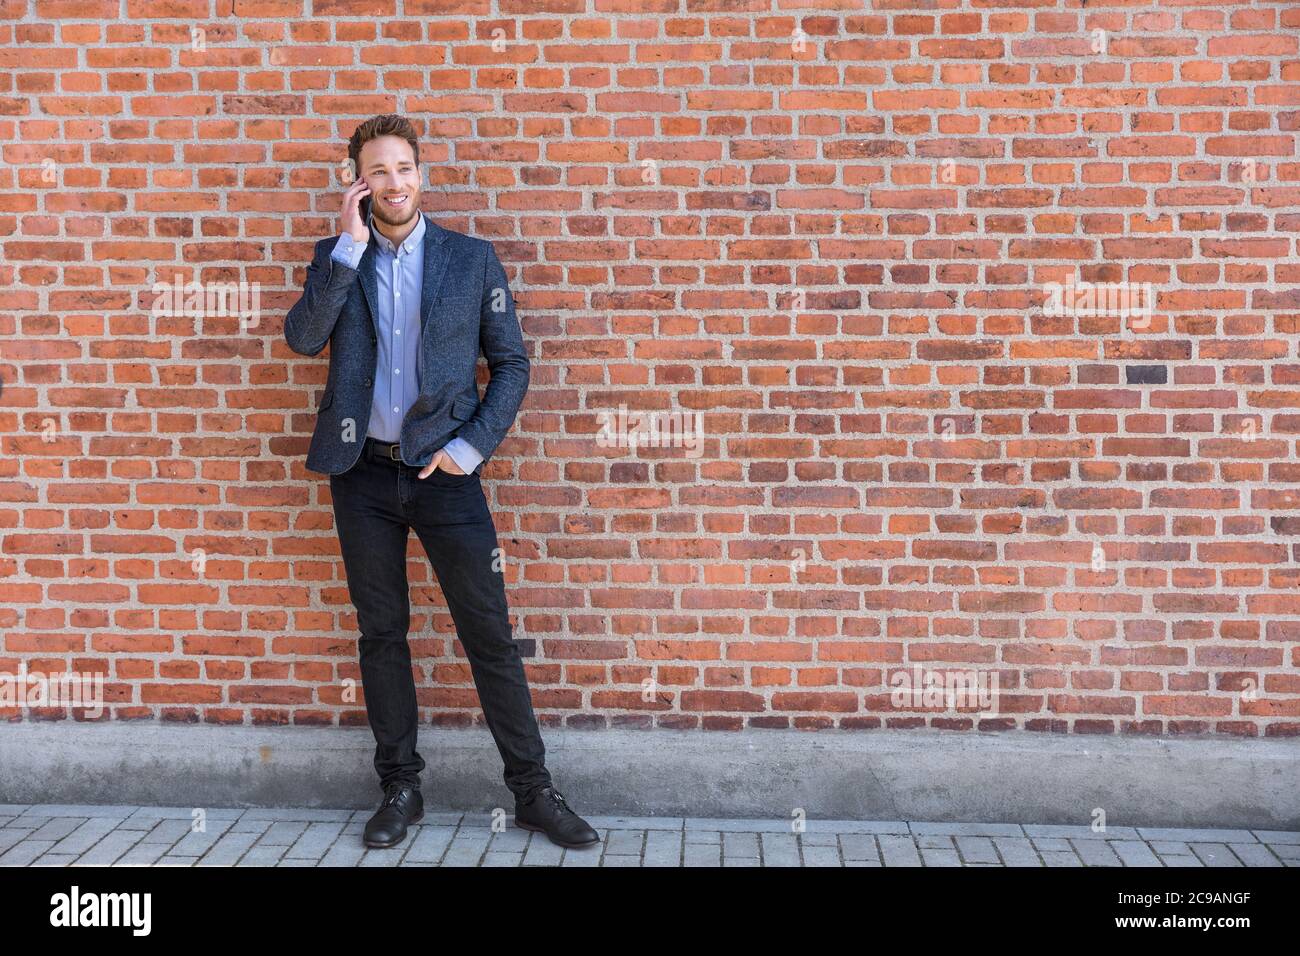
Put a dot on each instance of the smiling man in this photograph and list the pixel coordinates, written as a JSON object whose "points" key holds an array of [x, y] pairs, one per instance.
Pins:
{"points": [[406, 307]]}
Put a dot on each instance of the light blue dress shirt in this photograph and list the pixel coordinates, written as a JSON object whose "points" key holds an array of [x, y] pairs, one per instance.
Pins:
{"points": [[399, 275]]}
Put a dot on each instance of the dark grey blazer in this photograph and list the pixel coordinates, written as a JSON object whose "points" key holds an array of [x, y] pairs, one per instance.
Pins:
{"points": [[465, 306]]}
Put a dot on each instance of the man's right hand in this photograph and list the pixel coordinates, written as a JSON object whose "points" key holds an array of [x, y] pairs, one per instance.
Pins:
{"points": [[353, 222]]}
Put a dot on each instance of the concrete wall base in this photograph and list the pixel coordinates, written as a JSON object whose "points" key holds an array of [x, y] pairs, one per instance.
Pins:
{"points": [[874, 775]]}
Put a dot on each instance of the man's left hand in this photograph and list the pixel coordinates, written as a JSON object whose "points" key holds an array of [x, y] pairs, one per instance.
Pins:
{"points": [[441, 460]]}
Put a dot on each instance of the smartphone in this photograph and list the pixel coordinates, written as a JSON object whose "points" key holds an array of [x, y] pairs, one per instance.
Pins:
{"points": [[363, 206]]}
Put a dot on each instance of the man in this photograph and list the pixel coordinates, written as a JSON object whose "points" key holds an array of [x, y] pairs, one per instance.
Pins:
{"points": [[406, 306]]}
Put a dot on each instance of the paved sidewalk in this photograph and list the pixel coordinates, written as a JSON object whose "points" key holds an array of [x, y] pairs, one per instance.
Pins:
{"points": [[51, 835]]}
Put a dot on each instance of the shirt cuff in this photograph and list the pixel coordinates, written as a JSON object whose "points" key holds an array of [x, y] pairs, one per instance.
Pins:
{"points": [[348, 251], [463, 454]]}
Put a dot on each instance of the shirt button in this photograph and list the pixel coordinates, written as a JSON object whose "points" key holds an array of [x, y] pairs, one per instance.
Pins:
{"points": [[397, 371], [394, 408], [397, 295], [397, 331]]}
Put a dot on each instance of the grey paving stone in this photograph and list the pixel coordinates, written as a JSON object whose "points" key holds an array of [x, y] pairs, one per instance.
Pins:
{"points": [[345, 852], [1270, 836], [276, 815], [142, 854], [1179, 859], [1196, 836], [381, 857], [779, 849], [740, 826], [56, 828], [284, 833], [625, 842], [820, 838], [1254, 854], [663, 848], [581, 858], [702, 854], [940, 857], [858, 826], [620, 859], [55, 859], [77, 810], [13, 809], [23, 853], [968, 829], [178, 861], [1171, 847], [290, 861], [1057, 858], [978, 850], [502, 859], [197, 844], [1214, 854], [1051, 845], [741, 861], [513, 840], [543, 853], [1096, 853], [1134, 853], [109, 849], [898, 850], [315, 841], [709, 837], [821, 856], [635, 823], [860, 846], [1081, 832], [430, 844], [187, 813], [1288, 852], [467, 847], [263, 855], [934, 841], [736, 845], [87, 835], [1017, 851], [227, 850]]}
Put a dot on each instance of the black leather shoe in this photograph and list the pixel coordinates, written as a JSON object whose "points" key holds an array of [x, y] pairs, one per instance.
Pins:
{"points": [[545, 811], [403, 805]]}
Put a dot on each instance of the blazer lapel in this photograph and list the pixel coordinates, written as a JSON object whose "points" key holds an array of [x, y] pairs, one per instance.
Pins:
{"points": [[435, 267]]}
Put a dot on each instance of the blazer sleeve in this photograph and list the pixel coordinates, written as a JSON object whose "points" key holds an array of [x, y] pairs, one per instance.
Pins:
{"points": [[310, 321], [502, 344]]}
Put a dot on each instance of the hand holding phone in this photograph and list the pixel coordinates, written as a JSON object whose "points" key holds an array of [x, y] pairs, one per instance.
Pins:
{"points": [[356, 211]]}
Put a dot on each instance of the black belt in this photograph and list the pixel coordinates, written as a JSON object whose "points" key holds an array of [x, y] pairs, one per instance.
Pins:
{"points": [[388, 451]]}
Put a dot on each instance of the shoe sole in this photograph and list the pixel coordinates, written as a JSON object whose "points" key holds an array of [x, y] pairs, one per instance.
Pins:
{"points": [[383, 846], [572, 846]]}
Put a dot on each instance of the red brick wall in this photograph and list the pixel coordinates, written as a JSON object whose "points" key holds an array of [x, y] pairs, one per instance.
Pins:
{"points": [[833, 244]]}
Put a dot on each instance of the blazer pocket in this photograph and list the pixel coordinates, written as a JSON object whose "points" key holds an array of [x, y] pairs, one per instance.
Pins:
{"points": [[463, 409]]}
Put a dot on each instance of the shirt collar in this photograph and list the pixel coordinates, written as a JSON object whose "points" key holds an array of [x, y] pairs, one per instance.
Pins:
{"points": [[410, 244]]}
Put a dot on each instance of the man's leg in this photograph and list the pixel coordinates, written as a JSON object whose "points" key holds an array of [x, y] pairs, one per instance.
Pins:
{"points": [[373, 534], [451, 518]]}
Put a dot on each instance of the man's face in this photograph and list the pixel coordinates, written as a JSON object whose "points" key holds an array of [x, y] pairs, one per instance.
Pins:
{"points": [[387, 164]]}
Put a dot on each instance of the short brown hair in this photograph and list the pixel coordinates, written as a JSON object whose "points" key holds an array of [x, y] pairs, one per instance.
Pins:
{"points": [[390, 124]]}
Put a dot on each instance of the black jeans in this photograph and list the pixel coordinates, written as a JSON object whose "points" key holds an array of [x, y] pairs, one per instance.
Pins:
{"points": [[376, 503]]}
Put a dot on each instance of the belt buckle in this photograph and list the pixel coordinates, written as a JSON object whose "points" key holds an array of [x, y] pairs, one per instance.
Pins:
{"points": [[394, 452]]}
